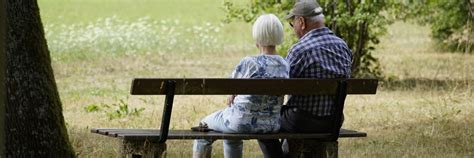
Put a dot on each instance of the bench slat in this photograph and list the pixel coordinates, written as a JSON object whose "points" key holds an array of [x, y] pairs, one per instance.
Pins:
{"points": [[223, 86], [151, 134]]}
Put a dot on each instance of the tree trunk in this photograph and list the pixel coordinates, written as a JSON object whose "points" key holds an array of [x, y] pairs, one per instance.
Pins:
{"points": [[359, 51], [34, 121], [470, 24], [2, 76]]}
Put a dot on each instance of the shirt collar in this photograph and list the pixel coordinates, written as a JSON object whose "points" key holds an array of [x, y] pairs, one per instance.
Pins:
{"points": [[317, 32]]}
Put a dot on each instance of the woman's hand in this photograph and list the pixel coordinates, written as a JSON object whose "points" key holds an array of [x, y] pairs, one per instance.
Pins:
{"points": [[230, 100]]}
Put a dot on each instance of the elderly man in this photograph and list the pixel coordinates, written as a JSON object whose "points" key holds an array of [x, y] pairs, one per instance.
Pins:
{"points": [[319, 53]]}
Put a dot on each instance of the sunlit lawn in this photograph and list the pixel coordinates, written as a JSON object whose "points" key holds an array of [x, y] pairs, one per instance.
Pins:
{"points": [[427, 119]]}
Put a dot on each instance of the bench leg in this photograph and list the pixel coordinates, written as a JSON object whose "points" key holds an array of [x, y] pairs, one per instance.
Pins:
{"points": [[312, 149], [332, 149], [136, 149]]}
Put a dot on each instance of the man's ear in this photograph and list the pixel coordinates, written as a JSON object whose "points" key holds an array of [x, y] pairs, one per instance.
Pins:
{"points": [[303, 23]]}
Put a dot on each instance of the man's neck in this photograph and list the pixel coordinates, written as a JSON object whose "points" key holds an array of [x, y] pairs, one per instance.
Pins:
{"points": [[313, 26]]}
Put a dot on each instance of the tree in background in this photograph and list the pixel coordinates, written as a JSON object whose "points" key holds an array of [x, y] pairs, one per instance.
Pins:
{"points": [[451, 21], [34, 124], [359, 22]]}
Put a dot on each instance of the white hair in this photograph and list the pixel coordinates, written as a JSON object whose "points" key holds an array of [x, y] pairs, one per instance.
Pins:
{"points": [[267, 30], [315, 19]]}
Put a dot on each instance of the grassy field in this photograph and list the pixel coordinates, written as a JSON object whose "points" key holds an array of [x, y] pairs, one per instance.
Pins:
{"points": [[98, 46]]}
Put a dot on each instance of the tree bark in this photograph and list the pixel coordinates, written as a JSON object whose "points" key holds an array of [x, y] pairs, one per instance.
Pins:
{"points": [[470, 23], [361, 45], [2, 76], [34, 122]]}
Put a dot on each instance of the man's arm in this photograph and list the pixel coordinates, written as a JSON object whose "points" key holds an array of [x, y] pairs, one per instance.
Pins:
{"points": [[296, 61]]}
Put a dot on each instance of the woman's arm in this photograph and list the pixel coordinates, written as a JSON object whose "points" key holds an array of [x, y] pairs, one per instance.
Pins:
{"points": [[230, 100], [242, 70]]}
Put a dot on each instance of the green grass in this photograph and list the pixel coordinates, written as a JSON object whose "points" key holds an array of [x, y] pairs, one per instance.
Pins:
{"points": [[72, 11], [407, 52], [59, 15], [425, 111]]}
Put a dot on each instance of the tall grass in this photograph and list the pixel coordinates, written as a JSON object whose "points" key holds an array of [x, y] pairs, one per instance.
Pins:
{"points": [[409, 53], [114, 36]]}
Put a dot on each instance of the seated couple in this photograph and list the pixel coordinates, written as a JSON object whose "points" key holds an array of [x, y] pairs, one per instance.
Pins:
{"points": [[317, 54]]}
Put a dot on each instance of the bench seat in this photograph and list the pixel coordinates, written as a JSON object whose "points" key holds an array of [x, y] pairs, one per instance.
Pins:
{"points": [[151, 134]]}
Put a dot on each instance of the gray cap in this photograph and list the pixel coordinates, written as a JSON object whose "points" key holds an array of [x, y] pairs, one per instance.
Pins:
{"points": [[305, 8]]}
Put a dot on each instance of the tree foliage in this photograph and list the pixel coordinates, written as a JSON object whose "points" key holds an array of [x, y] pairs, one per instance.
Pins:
{"points": [[359, 22], [451, 21]]}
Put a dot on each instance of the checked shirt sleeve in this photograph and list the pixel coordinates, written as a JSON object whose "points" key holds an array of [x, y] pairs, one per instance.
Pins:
{"points": [[297, 64]]}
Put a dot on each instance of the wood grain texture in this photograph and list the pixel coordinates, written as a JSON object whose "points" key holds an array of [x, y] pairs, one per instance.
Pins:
{"points": [[153, 134], [223, 86]]}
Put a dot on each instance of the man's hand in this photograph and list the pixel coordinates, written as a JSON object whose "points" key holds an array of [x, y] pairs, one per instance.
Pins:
{"points": [[230, 100]]}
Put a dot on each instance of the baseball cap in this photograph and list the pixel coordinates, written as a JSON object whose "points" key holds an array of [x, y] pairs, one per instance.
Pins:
{"points": [[305, 8]]}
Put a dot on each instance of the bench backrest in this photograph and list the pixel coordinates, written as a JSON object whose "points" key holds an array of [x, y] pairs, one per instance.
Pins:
{"points": [[222, 86]]}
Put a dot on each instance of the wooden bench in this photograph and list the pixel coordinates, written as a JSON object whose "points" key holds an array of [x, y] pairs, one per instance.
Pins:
{"points": [[152, 142]]}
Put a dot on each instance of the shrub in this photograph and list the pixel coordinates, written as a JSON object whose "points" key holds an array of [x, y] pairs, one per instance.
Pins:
{"points": [[452, 24]]}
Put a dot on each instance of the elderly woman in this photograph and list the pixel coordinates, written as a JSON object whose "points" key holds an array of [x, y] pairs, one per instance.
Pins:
{"points": [[250, 113]]}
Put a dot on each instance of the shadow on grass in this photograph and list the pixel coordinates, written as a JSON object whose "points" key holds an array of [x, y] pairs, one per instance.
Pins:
{"points": [[442, 137], [425, 138], [423, 83]]}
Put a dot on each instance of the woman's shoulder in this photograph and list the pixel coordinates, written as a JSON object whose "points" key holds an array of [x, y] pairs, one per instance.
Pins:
{"points": [[276, 58], [252, 59], [260, 59], [247, 60], [265, 57]]}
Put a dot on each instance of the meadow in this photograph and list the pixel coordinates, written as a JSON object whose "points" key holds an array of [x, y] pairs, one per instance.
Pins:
{"points": [[424, 109]]}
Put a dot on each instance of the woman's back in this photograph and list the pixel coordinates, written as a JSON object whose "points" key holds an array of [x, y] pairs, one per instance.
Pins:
{"points": [[257, 113]]}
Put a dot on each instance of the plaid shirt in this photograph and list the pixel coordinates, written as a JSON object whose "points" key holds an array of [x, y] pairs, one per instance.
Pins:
{"points": [[318, 54]]}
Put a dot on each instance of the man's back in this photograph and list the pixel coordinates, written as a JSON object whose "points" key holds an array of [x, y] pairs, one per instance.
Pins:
{"points": [[318, 54]]}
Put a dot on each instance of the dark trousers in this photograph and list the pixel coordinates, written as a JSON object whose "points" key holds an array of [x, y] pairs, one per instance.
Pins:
{"points": [[294, 120]]}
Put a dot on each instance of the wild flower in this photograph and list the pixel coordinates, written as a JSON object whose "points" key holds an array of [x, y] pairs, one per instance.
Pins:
{"points": [[113, 35]]}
